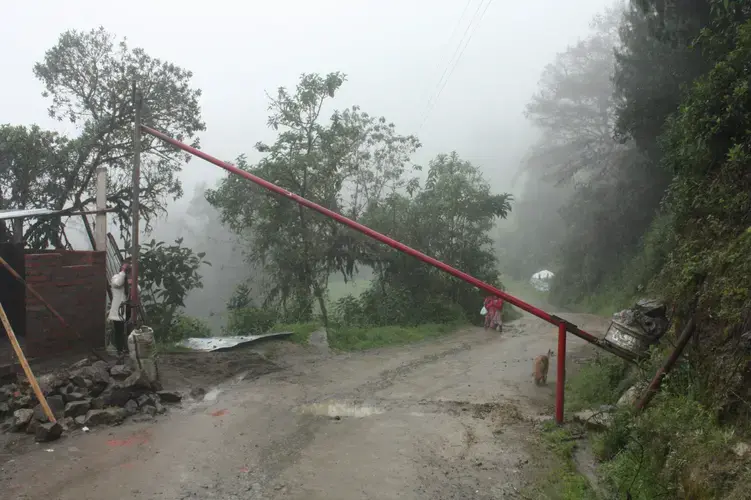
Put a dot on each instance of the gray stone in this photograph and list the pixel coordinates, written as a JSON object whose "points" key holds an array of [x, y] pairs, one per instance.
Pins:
{"points": [[56, 404], [80, 381], [143, 418], [32, 427], [116, 395], [629, 397], [108, 416], [97, 388], [138, 380], [596, 420], [97, 403], [96, 373], [22, 417], [5, 409], [120, 372], [169, 397], [68, 423], [149, 410], [7, 425], [6, 393], [741, 449], [48, 432], [146, 399], [77, 408], [159, 407], [131, 407], [21, 402], [80, 364], [80, 420]]}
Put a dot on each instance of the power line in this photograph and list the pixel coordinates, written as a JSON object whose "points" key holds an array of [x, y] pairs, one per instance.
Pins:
{"points": [[434, 101], [451, 37], [456, 51]]}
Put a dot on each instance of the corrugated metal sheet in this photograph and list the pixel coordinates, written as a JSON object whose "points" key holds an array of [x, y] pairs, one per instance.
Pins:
{"points": [[19, 214], [209, 344]]}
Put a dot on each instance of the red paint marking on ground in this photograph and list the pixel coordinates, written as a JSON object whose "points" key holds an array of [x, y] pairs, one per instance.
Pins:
{"points": [[140, 438], [128, 465], [244, 469], [219, 413]]}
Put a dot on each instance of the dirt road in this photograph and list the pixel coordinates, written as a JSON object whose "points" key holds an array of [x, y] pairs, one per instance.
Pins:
{"points": [[451, 419]]}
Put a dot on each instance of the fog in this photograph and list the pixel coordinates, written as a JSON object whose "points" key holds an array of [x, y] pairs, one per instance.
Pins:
{"points": [[393, 53]]}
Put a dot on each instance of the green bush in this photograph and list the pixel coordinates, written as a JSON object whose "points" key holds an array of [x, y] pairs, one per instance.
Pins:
{"points": [[390, 305], [182, 327], [599, 382], [250, 321], [674, 449], [564, 482]]}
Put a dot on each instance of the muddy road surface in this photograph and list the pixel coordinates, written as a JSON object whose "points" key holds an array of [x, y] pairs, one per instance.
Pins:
{"points": [[456, 418]]}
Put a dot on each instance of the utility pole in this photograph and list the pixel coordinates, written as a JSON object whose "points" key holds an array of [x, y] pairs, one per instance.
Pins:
{"points": [[100, 228], [135, 205]]}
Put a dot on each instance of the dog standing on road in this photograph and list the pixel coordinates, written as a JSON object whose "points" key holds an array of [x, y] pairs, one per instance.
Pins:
{"points": [[542, 363]]}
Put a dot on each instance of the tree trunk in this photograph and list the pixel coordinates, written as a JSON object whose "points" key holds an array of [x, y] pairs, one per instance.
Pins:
{"points": [[322, 304]]}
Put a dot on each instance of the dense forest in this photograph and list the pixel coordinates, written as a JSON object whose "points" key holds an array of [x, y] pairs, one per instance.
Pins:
{"points": [[641, 185]]}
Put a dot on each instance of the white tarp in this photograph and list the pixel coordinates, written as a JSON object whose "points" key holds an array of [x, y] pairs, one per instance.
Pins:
{"points": [[541, 280], [209, 344]]}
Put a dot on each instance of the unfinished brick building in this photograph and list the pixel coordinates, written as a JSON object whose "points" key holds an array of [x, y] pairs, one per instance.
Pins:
{"points": [[74, 284]]}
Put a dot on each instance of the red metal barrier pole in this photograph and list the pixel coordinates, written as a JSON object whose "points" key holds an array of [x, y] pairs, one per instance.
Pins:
{"points": [[375, 235], [560, 379]]}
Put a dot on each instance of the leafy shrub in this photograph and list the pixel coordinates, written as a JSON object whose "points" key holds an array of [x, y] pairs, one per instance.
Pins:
{"points": [[181, 327], [599, 382], [674, 449], [390, 305], [250, 321]]}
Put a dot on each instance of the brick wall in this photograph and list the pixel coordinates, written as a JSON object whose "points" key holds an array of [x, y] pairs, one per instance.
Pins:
{"points": [[74, 284]]}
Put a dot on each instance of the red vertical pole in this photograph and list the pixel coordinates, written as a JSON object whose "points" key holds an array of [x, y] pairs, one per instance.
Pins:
{"points": [[560, 379]]}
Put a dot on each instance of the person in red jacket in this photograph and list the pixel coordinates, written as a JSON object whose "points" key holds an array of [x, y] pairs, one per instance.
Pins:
{"points": [[494, 314]]}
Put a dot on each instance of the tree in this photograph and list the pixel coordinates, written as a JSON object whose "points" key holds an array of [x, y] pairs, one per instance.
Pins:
{"points": [[707, 273], [613, 190], [655, 60], [300, 249], [89, 79], [448, 219], [168, 273], [575, 108], [32, 163]]}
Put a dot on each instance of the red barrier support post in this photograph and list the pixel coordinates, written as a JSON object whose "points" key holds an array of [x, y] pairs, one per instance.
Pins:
{"points": [[560, 379]]}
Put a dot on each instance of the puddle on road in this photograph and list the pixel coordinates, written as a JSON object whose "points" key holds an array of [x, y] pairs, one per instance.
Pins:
{"points": [[339, 409]]}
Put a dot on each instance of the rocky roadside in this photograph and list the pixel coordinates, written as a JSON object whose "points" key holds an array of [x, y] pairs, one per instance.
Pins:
{"points": [[86, 394]]}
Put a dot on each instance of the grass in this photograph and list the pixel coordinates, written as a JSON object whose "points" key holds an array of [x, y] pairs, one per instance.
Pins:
{"points": [[300, 331], [599, 382], [563, 482], [350, 338]]}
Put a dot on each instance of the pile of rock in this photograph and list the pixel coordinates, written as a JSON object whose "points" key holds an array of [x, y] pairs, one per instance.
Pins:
{"points": [[87, 394]]}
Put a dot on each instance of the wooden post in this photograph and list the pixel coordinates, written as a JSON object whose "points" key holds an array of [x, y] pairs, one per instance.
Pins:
{"points": [[560, 380], [654, 385], [100, 227], [135, 251], [26, 367]]}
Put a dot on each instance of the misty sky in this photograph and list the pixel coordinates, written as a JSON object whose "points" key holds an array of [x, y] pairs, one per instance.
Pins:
{"points": [[393, 52]]}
